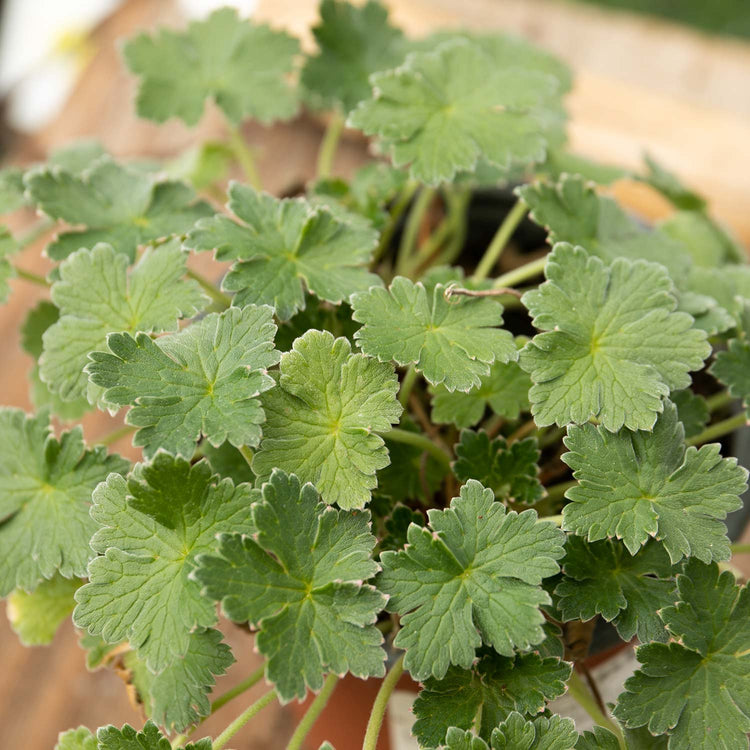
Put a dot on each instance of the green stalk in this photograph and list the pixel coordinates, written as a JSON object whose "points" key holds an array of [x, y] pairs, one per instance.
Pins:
{"points": [[740, 548], [411, 230], [116, 435], [238, 689], [381, 703], [329, 144], [521, 274], [407, 385], [397, 435], [215, 294], [719, 400], [557, 491], [459, 203], [244, 155], [243, 718], [719, 429], [582, 695], [399, 206], [34, 278], [500, 240], [312, 713]]}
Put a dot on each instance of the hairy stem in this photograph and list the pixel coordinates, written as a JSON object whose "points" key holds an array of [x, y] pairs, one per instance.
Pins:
{"points": [[312, 713], [215, 294], [719, 429], [581, 694], [521, 274], [397, 435], [557, 491], [244, 156], [329, 144], [500, 240], [243, 718], [116, 435], [411, 230], [397, 210], [238, 689], [407, 385], [740, 548], [458, 203], [381, 703], [719, 400], [34, 278]]}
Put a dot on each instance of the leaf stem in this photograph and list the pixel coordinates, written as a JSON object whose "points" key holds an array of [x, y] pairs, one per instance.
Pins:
{"points": [[216, 295], [557, 491], [411, 231], [246, 684], [740, 548], [458, 202], [243, 718], [582, 695], [381, 703], [522, 273], [312, 713], [719, 400], [116, 435], [399, 206], [407, 385], [397, 435], [500, 240], [719, 429], [244, 155], [34, 278], [329, 144]]}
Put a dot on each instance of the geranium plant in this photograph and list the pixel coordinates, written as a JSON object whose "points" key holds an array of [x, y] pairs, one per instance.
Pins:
{"points": [[381, 445]]}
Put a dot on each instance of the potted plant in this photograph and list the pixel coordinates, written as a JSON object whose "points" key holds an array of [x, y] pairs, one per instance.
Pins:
{"points": [[386, 443]]}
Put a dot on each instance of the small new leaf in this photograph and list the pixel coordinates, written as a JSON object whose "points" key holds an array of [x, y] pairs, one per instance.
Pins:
{"points": [[76, 739], [242, 66], [612, 345], [322, 419], [152, 528], [518, 733], [452, 342], [636, 485], [696, 689], [118, 205], [473, 576], [149, 738], [284, 247], [300, 581], [45, 491]]}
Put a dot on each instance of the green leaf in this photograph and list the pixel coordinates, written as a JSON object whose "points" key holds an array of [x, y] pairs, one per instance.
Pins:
{"points": [[227, 461], [505, 390], [204, 380], [728, 286], [241, 65], [284, 247], [464, 739], [732, 368], [11, 190], [203, 165], [670, 186], [116, 204], [35, 617], [45, 490], [76, 739], [696, 689], [599, 738], [542, 733], [149, 738], [707, 245], [636, 485], [396, 526], [98, 651], [450, 342], [602, 578], [300, 581], [642, 739], [510, 471], [612, 345], [572, 212], [152, 528], [323, 418], [692, 411], [495, 686], [441, 111], [353, 43], [96, 296], [473, 576]]}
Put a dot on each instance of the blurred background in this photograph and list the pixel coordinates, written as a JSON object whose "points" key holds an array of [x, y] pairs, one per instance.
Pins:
{"points": [[670, 77]]}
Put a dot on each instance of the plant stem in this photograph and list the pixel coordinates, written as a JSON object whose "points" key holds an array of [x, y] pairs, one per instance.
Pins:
{"points": [[247, 454], [328, 145], [458, 200], [557, 491], [407, 385], [116, 435], [500, 240], [400, 205], [522, 273], [429, 246], [524, 430], [719, 400], [243, 718], [312, 713], [238, 689], [411, 230], [740, 548], [32, 235], [244, 155], [216, 295], [582, 695], [719, 429], [34, 278], [381, 703], [397, 435]]}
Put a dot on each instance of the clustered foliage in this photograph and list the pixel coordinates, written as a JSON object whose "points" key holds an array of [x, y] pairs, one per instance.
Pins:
{"points": [[360, 445]]}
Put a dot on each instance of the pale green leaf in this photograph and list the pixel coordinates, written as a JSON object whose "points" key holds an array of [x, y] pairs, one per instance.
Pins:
{"points": [[76, 739], [542, 733], [149, 738]]}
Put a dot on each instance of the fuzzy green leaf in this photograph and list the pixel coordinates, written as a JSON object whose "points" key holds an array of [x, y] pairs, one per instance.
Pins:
{"points": [[45, 491], [96, 296], [12, 190], [322, 419], [241, 65], [204, 380], [510, 471], [612, 345], [450, 342], [116, 204], [732, 368], [636, 485], [76, 739], [396, 527], [474, 575], [149, 738], [442, 110], [300, 581], [602, 578], [152, 528], [284, 247], [495, 685], [227, 461], [696, 689], [518, 733], [692, 411], [599, 738]]}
